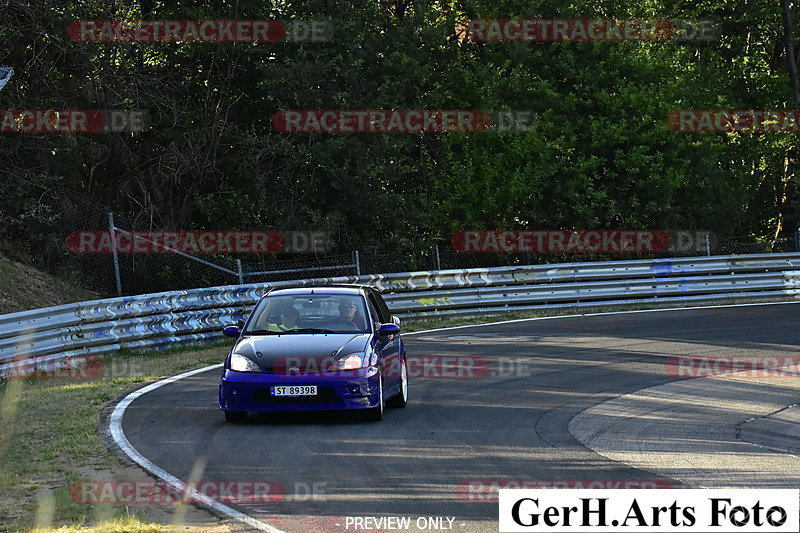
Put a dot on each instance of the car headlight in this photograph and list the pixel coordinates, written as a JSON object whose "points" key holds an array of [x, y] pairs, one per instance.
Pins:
{"points": [[241, 363], [353, 361]]}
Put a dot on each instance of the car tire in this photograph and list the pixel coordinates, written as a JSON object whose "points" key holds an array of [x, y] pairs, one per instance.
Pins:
{"points": [[399, 400], [235, 416], [375, 414]]}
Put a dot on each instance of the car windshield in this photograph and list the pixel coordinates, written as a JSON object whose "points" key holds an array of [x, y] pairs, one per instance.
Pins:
{"points": [[308, 314]]}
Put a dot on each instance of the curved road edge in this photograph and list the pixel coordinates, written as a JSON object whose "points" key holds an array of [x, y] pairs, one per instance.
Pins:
{"points": [[691, 431], [119, 438]]}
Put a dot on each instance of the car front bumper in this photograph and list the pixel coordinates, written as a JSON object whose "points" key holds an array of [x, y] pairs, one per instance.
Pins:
{"points": [[250, 391]]}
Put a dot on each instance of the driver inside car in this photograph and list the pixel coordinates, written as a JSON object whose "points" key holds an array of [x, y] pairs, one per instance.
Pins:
{"points": [[349, 313]]}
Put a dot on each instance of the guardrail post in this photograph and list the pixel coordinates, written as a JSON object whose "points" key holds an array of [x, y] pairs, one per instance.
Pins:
{"points": [[356, 262], [239, 271], [114, 252], [797, 240]]}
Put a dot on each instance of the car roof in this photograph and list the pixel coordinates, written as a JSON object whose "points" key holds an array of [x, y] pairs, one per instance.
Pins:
{"points": [[351, 290]]}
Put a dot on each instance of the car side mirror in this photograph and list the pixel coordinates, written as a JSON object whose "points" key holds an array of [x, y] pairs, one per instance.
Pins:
{"points": [[388, 329], [231, 331]]}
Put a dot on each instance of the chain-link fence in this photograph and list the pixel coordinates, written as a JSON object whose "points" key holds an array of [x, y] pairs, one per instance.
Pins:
{"points": [[135, 273], [109, 273]]}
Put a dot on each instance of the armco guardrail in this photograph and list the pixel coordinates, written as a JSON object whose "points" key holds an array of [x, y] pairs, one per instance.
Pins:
{"points": [[42, 336]]}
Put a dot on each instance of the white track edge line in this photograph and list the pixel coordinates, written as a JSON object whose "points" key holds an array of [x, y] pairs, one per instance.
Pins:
{"points": [[122, 441], [577, 315]]}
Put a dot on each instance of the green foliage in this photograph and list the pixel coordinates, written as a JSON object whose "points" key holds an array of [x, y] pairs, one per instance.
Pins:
{"points": [[599, 155]]}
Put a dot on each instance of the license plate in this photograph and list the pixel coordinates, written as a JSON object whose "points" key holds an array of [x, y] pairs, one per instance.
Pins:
{"points": [[293, 390]]}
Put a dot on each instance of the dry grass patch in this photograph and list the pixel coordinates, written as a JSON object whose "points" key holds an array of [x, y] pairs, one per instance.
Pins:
{"points": [[49, 440]]}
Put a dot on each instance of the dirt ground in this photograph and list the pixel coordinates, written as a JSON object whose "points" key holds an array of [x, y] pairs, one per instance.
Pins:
{"points": [[23, 287]]}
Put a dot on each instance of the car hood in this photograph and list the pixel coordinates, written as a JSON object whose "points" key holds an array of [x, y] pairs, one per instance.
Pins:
{"points": [[279, 353]]}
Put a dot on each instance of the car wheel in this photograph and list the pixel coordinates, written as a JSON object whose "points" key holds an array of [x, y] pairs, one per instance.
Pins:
{"points": [[235, 416], [400, 399], [375, 414]]}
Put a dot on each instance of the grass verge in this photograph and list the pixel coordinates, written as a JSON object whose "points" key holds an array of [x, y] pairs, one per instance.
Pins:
{"points": [[48, 440]]}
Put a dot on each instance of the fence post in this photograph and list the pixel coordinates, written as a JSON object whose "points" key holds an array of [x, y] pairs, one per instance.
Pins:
{"points": [[114, 252], [438, 259], [356, 262], [708, 246], [239, 271], [797, 240]]}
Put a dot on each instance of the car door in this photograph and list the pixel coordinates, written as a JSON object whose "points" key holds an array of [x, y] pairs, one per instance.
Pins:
{"points": [[389, 347]]}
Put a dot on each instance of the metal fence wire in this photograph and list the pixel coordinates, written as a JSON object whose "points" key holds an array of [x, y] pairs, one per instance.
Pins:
{"points": [[140, 273]]}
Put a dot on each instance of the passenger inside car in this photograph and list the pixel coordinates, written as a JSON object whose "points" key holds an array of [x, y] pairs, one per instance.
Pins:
{"points": [[288, 320]]}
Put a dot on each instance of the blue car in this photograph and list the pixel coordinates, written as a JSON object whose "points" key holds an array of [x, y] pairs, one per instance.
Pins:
{"points": [[315, 348]]}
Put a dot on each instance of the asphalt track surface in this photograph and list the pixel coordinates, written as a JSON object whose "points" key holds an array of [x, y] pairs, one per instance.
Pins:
{"points": [[507, 421]]}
